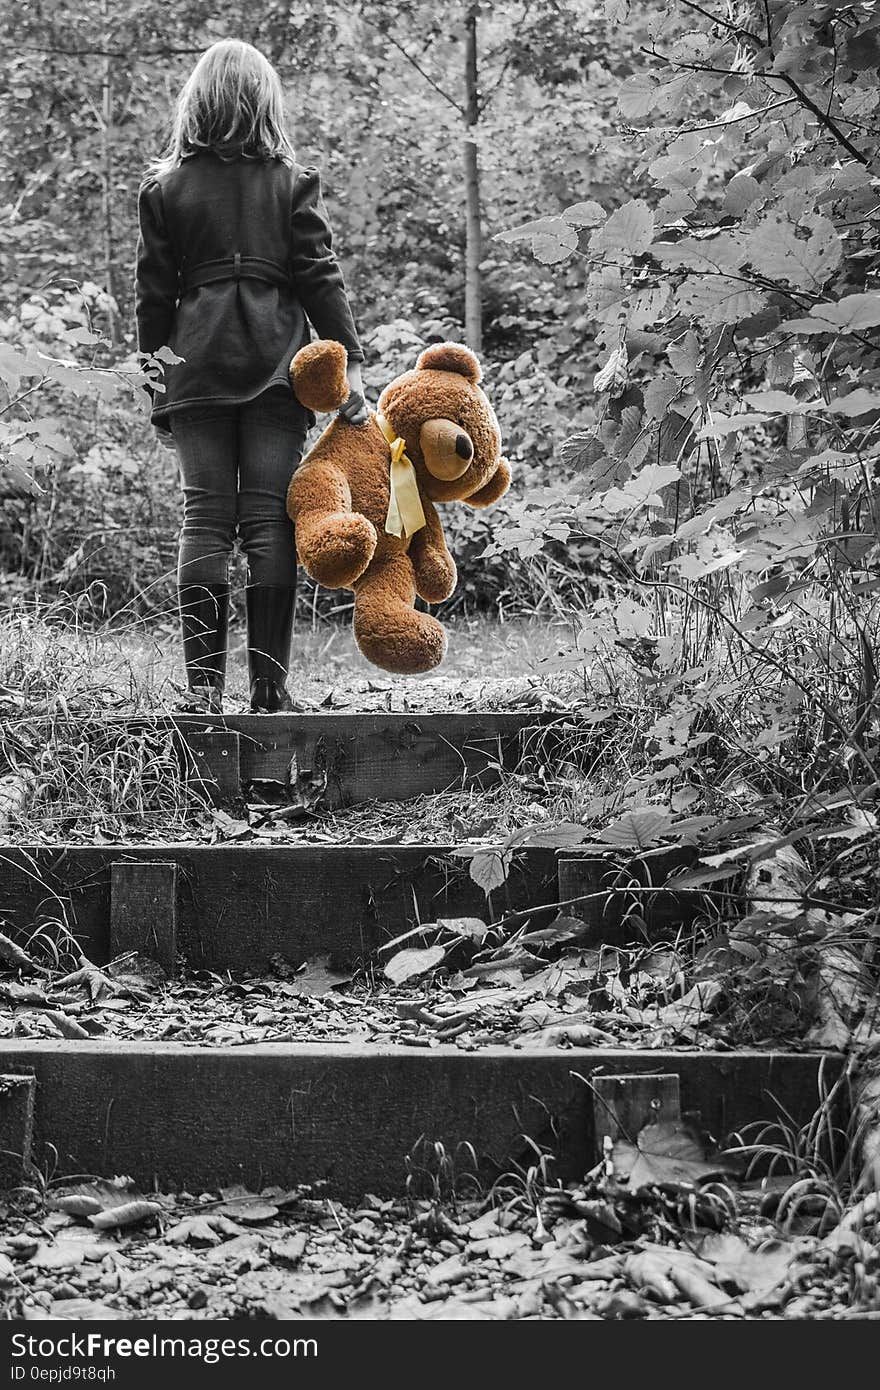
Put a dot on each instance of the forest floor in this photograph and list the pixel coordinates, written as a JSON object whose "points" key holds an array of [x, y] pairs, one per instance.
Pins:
{"points": [[100, 1250], [489, 665], [526, 1248], [607, 997]]}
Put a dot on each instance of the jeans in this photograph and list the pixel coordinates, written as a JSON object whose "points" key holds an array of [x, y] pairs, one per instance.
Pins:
{"points": [[236, 462]]}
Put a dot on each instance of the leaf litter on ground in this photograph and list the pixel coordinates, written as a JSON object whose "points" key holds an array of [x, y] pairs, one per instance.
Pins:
{"points": [[598, 1249], [470, 986]]}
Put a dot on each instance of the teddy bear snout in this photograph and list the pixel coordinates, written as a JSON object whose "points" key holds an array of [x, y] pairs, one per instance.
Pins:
{"points": [[446, 448]]}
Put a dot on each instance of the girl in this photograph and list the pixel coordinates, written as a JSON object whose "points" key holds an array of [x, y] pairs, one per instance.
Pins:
{"points": [[234, 251]]}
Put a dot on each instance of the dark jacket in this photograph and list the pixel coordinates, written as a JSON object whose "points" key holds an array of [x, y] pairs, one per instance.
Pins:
{"points": [[253, 234]]}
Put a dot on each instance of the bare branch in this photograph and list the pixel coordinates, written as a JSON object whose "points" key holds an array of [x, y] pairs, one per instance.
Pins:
{"points": [[731, 28], [824, 120], [711, 125], [509, 58], [823, 117], [412, 61], [110, 52]]}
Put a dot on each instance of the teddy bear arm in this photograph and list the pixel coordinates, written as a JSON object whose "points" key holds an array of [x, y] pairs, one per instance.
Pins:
{"points": [[495, 488], [433, 566], [335, 544]]}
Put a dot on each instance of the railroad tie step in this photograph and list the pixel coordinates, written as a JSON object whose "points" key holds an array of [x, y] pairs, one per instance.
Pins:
{"points": [[362, 757], [237, 906], [363, 1117], [17, 1094]]}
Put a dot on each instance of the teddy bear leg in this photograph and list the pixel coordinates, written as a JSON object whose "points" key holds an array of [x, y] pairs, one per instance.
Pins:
{"points": [[387, 629], [334, 544]]}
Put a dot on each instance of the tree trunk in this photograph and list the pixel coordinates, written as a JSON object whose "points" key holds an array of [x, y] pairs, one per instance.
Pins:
{"points": [[107, 195], [473, 296]]}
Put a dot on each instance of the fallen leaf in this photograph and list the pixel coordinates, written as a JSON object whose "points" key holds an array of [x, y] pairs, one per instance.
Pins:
{"points": [[749, 1271], [13, 955], [290, 1250], [623, 1303], [324, 1304], [582, 1271], [17, 993], [97, 983], [66, 1253], [252, 1213], [230, 828], [650, 1272], [128, 1214], [138, 975], [692, 1010], [196, 1230], [668, 1152], [482, 1226], [452, 1310], [602, 1222], [277, 1306], [234, 1252], [472, 927], [67, 1027], [407, 964], [90, 1197], [317, 978], [700, 1291], [225, 1226], [84, 1310], [500, 1247], [449, 1271], [562, 928], [77, 1205], [22, 1246], [577, 1034]]}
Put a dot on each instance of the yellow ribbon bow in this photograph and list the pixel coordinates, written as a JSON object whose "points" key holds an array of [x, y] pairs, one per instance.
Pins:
{"points": [[405, 514]]}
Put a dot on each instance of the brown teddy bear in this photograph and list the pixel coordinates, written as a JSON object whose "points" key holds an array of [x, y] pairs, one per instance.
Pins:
{"points": [[363, 498]]}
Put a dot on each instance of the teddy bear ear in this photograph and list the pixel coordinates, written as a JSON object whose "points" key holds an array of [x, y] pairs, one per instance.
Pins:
{"points": [[450, 357]]}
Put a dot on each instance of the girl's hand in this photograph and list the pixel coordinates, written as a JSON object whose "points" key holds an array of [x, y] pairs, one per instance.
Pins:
{"points": [[356, 409]]}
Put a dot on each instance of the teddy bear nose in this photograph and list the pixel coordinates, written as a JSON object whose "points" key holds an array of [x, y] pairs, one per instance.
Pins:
{"points": [[446, 448]]}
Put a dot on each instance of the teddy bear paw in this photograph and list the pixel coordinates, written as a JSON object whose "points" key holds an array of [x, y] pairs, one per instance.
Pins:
{"points": [[406, 644], [436, 578], [337, 549]]}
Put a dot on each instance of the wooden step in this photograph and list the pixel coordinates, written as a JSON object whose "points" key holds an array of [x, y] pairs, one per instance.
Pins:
{"points": [[235, 907], [363, 757], [200, 1117]]}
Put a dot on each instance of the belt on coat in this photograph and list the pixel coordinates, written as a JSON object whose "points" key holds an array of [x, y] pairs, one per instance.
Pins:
{"points": [[235, 267]]}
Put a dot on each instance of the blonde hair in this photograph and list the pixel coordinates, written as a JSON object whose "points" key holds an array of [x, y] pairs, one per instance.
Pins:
{"points": [[232, 94]]}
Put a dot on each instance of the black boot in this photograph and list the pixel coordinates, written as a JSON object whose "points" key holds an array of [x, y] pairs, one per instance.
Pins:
{"points": [[270, 627], [204, 625]]}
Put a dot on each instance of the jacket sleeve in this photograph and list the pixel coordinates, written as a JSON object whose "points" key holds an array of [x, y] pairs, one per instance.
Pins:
{"points": [[316, 271], [155, 288]]}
